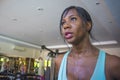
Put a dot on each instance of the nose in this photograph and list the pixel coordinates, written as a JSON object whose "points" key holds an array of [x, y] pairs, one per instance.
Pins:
{"points": [[66, 26]]}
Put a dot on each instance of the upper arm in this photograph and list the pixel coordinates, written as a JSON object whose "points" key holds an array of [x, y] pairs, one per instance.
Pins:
{"points": [[57, 61], [114, 64]]}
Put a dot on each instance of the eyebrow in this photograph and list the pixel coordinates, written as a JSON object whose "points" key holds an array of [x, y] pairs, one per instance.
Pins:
{"points": [[69, 16]]}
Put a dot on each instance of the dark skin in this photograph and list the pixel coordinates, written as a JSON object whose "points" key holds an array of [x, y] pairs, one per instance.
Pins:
{"points": [[82, 59]]}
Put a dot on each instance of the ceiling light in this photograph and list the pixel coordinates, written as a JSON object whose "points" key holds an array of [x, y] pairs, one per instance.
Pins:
{"points": [[56, 46], [18, 41], [95, 43], [105, 42]]}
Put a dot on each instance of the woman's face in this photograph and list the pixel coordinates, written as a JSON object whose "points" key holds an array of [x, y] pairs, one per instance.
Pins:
{"points": [[73, 28]]}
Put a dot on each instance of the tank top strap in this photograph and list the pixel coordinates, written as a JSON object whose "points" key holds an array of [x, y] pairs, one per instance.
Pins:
{"points": [[99, 71], [62, 71]]}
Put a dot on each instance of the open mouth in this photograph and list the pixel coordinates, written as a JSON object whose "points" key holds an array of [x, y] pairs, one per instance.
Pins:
{"points": [[68, 35]]}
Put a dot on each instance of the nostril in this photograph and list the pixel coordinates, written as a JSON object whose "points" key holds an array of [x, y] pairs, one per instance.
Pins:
{"points": [[66, 26]]}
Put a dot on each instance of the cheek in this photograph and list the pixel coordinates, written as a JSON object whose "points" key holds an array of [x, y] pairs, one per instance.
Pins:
{"points": [[79, 31], [62, 32], [77, 28]]}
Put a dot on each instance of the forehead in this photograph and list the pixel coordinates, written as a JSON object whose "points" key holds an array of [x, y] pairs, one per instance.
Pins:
{"points": [[70, 12]]}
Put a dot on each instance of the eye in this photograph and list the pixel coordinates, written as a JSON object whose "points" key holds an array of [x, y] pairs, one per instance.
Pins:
{"points": [[62, 23], [73, 18]]}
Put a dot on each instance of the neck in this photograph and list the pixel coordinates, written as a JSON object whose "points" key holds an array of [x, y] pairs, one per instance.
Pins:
{"points": [[83, 48]]}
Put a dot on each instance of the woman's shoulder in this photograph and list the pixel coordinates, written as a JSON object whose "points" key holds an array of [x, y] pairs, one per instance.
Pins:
{"points": [[59, 57], [113, 65], [113, 59], [58, 60]]}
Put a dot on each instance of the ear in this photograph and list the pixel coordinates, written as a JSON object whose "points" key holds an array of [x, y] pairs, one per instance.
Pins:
{"points": [[88, 26]]}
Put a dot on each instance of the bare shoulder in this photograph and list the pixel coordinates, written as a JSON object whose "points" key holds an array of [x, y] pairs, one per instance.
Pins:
{"points": [[57, 61], [113, 63], [59, 57], [114, 60]]}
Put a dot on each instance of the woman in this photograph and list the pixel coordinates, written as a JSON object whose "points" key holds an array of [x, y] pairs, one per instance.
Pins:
{"points": [[84, 61]]}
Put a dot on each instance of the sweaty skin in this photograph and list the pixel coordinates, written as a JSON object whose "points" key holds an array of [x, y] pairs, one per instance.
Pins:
{"points": [[82, 59]]}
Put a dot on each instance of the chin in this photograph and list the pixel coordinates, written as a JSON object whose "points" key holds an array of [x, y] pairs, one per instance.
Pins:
{"points": [[70, 41]]}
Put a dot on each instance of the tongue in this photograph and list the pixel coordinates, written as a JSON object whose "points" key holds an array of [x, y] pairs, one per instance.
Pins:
{"points": [[68, 36]]}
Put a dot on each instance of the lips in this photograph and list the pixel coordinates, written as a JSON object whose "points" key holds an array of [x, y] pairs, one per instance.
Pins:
{"points": [[68, 35]]}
